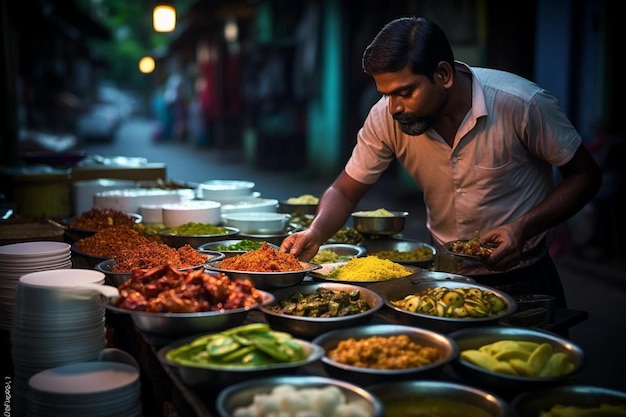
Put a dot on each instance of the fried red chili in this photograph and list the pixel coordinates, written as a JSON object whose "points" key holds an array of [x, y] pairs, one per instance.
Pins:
{"points": [[165, 289], [264, 259]]}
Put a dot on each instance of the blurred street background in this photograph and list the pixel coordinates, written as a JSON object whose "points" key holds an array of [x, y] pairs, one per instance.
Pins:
{"points": [[272, 91]]}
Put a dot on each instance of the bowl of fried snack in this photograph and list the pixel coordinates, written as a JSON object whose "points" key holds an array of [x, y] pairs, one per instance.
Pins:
{"points": [[165, 300], [267, 268], [402, 353], [232, 247]]}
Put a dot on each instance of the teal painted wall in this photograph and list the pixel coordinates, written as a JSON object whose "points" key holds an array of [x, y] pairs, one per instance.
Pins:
{"points": [[325, 113]]}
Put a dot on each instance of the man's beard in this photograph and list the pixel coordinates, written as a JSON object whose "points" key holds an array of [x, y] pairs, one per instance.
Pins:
{"points": [[416, 125]]}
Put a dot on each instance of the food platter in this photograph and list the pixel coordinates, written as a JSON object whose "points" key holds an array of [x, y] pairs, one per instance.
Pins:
{"points": [[402, 251], [322, 274], [187, 323], [224, 374], [470, 248]]}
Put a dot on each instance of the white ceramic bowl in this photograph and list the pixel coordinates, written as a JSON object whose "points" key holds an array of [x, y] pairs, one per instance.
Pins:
{"points": [[255, 205], [257, 223], [217, 190], [151, 213], [85, 190], [177, 214], [129, 200]]}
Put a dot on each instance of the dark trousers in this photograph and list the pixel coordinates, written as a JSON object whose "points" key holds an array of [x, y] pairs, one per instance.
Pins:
{"points": [[540, 278]]}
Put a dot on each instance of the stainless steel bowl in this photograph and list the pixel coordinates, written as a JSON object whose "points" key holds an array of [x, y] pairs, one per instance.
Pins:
{"points": [[379, 225], [173, 324], [91, 260], [220, 376], [429, 398], [310, 327], [118, 278], [440, 324], [344, 251], [582, 397], [176, 241], [214, 246], [475, 337], [276, 238], [401, 248], [77, 233], [243, 393], [323, 273], [296, 209], [267, 280], [369, 376]]}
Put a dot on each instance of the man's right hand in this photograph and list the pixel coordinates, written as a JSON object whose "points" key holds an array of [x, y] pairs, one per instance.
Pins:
{"points": [[303, 244]]}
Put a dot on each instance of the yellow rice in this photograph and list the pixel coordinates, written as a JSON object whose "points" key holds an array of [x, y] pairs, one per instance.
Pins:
{"points": [[369, 268]]}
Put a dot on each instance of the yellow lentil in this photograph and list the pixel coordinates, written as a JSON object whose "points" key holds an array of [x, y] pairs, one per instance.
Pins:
{"points": [[381, 212], [369, 268]]}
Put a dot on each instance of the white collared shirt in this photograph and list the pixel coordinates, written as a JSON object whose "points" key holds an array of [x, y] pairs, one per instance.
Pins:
{"points": [[501, 163]]}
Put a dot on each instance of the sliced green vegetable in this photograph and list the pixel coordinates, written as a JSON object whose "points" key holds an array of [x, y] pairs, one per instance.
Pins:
{"points": [[248, 328], [222, 346], [237, 356]]}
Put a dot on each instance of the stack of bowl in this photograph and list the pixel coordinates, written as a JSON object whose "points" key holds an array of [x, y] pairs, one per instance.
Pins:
{"points": [[225, 191]]}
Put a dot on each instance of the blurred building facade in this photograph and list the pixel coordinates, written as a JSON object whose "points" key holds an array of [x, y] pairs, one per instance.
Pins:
{"points": [[47, 68], [292, 81], [285, 86]]}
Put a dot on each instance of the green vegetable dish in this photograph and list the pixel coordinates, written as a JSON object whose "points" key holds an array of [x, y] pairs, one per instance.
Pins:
{"points": [[322, 303], [248, 345], [244, 245], [196, 229]]}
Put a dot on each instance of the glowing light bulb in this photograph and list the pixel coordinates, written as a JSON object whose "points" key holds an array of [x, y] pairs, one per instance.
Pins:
{"points": [[164, 18]]}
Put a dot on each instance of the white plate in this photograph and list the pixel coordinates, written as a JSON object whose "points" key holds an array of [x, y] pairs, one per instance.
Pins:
{"points": [[86, 377], [62, 278], [33, 249]]}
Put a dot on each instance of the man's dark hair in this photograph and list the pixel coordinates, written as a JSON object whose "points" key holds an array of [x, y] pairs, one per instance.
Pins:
{"points": [[415, 41]]}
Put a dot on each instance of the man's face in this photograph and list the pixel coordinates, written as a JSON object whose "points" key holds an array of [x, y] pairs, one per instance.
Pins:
{"points": [[415, 102]]}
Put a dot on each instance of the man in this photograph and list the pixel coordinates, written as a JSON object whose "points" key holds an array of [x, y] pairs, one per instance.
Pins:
{"points": [[482, 144]]}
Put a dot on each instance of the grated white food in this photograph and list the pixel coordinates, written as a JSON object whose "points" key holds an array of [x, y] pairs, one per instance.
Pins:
{"points": [[288, 401]]}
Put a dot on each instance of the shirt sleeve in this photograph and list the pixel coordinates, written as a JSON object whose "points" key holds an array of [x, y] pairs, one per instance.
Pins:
{"points": [[549, 134], [372, 153]]}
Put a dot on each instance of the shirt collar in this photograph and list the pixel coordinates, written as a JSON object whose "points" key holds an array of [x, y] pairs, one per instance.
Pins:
{"points": [[479, 107]]}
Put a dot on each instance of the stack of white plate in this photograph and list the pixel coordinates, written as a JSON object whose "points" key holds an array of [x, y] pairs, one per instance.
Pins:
{"points": [[23, 258], [129, 200], [94, 389], [58, 320]]}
